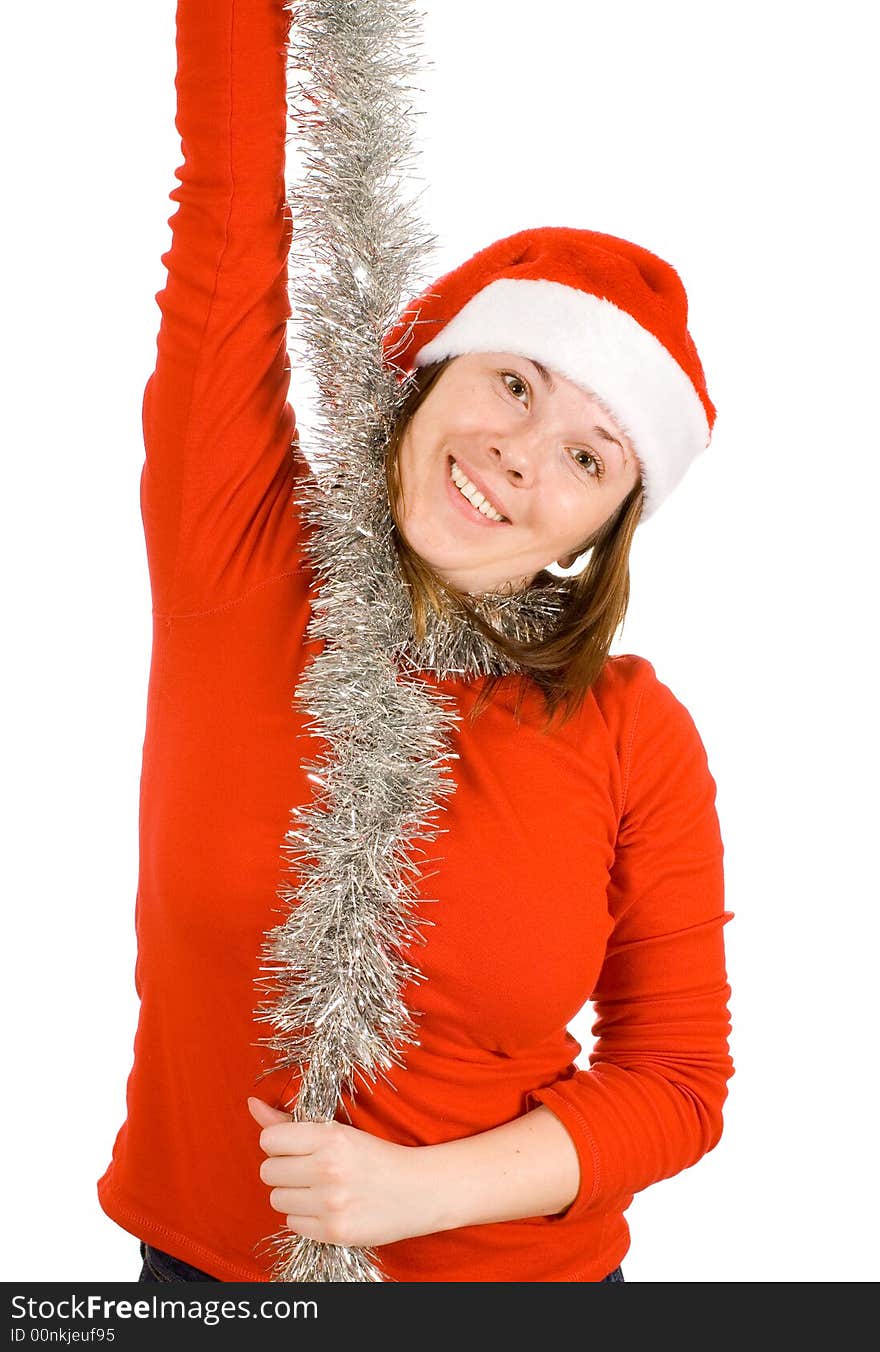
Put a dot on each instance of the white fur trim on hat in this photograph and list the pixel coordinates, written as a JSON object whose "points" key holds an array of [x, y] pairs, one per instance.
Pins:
{"points": [[601, 348]]}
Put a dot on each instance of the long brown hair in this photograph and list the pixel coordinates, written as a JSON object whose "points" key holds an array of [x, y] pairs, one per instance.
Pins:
{"points": [[566, 662]]}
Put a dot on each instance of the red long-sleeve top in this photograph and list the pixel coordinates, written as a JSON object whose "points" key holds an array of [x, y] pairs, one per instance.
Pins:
{"points": [[583, 863]]}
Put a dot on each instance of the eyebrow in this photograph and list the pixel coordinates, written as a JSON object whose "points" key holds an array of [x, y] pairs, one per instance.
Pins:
{"points": [[603, 432], [548, 381], [543, 373]]}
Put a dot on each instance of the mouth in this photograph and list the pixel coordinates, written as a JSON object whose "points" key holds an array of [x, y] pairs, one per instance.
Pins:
{"points": [[470, 499]]}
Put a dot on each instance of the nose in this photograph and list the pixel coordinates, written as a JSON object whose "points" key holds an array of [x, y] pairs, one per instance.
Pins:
{"points": [[517, 456]]}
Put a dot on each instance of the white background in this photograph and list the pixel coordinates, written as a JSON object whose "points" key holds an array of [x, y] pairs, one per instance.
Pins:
{"points": [[732, 140]]}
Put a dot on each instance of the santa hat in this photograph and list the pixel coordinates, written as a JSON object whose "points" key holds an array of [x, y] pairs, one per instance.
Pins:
{"points": [[605, 313]]}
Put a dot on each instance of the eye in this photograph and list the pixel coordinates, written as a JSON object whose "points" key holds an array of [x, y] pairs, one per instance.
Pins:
{"points": [[589, 462], [512, 380]]}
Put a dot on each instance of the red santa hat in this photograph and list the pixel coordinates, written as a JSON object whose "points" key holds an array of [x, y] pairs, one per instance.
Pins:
{"points": [[605, 313]]}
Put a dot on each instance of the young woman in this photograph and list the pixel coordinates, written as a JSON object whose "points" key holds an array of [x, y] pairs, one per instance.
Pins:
{"points": [[557, 400]]}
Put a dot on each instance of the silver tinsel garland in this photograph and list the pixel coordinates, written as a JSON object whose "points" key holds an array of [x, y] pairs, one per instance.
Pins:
{"points": [[338, 962]]}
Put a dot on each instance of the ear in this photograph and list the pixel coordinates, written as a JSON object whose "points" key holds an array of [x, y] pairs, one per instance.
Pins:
{"points": [[569, 559]]}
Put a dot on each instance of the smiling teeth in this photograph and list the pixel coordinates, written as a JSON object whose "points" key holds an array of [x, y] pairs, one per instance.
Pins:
{"points": [[473, 494]]}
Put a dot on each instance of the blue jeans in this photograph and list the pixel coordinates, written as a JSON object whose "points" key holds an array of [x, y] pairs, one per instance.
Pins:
{"points": [[161, 1267]]}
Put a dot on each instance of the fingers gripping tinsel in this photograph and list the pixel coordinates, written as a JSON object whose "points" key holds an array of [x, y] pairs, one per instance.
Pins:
{"points": [[339, 961]]}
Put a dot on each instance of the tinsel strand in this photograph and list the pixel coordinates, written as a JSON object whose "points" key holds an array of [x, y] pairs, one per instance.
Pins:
{"points": [[340, 960]]}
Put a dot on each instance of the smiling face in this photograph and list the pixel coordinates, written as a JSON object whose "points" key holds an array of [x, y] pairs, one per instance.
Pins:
{"points": [[500, 433]]}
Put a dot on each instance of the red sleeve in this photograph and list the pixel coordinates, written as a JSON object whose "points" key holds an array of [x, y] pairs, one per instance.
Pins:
{"points": [[650, 1104], [216, 484]]}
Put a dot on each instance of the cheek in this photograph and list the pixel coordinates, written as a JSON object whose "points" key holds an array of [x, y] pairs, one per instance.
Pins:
{"points": [[406, 469], [420, 453], [416, 489], [570, 512]]}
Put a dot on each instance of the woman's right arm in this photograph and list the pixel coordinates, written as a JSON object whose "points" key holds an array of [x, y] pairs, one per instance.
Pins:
{"points": [[219, 470]]}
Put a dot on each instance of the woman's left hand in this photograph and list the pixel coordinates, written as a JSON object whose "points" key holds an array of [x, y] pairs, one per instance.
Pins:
{"points": [[340, 1185]]}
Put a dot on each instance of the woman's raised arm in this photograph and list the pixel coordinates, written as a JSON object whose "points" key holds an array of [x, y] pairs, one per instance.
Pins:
{"points": [[219, 470]]}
